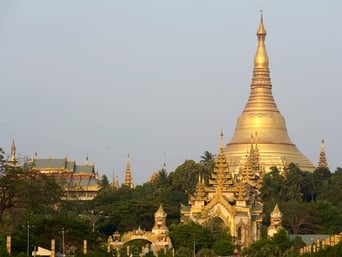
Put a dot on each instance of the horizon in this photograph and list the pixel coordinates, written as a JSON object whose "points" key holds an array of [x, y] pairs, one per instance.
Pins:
{"points": [[159, 81]]}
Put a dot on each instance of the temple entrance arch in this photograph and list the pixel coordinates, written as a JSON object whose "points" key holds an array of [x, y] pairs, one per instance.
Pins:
{"points": [[158, 237], [217, 226], [137, 247], [156, 242]]}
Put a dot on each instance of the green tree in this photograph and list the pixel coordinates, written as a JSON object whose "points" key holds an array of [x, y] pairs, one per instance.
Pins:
{"points": [[300, 218], [184, 178], [294, 178], [272, 185], [332, 191], [208, 159], [281, 239], [331, 217], [160, 179], [205, 252], [184, 252], [277, 246], [190, 235], [28, 191], [297, 243], [223, 247], [104, 183], [321, 179]]}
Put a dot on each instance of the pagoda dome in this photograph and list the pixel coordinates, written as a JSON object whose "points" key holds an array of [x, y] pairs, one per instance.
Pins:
{"points": [[262, 117]]}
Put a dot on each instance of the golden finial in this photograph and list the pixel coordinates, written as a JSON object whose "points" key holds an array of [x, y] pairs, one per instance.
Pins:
{"points": [[261, 30], [13, 148], [221, 140], [261, 58]]}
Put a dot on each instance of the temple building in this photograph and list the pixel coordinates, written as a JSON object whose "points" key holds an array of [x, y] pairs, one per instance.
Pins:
{"points": [[79, 182], [230, 200], [262, 118]]}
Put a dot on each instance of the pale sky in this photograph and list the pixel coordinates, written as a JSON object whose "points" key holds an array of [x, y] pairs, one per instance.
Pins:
{"points": [[160, 79]]}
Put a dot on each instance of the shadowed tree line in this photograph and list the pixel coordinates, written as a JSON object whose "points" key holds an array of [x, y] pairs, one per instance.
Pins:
{"points": [[311, 203]]}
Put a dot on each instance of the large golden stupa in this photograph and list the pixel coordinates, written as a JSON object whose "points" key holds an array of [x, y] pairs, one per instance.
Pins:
{"points": [[261, 123]]}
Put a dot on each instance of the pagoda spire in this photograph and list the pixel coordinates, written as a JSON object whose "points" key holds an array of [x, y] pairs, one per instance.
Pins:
{"points": [[261, 57], [221, 176], [322, 163], [221, 141], [261, 114], [13, 159], [128, 175]]}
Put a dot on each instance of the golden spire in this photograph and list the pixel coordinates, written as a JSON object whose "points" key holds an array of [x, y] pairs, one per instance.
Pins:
{"points": [[160, 211], [276, 212], [13, 159], [322, 163], [221, 140], [164, 168], [261, 114], [128, 174], [199, 190], [221, 176], [261, 58]]}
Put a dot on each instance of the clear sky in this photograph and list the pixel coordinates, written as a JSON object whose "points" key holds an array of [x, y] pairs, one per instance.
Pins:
{"points": [[160, 79]]}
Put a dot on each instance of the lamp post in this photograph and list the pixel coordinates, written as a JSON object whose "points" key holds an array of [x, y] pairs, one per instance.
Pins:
{"points": [[28, 226], [94, 218], [63, 245], [194, 245]]}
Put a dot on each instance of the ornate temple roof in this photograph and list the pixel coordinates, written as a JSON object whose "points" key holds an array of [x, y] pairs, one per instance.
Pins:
{"points": [[261, 116], [80, 182]]}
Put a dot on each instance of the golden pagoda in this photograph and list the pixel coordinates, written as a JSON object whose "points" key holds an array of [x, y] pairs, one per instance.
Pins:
{"points": [[322, 163], [128, 174], [262, 118], [13, 158]]}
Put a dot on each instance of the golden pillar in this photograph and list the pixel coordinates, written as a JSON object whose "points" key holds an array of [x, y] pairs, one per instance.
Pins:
{"points": [[8, 244], [53, 249], [84, 247]]}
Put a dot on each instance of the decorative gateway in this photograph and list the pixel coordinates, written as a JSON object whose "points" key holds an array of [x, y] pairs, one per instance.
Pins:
{"points": [[230, 200]]}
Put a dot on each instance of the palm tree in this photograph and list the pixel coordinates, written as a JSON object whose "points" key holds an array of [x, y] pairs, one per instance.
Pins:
{"points": [[160, 179], [208, 161], [207, 158]]}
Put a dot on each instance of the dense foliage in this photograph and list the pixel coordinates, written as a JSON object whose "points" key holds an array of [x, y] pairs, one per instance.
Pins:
{"points": [[311, 204]]}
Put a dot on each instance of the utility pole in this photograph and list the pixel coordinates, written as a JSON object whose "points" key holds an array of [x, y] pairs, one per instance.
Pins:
{"points": [[194, 245], [63, 244], [28, 226]]}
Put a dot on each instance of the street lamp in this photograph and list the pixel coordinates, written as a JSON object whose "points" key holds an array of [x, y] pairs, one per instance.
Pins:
{"points": [[194, 245], [63, 244], [28, 226], [94, 218]]}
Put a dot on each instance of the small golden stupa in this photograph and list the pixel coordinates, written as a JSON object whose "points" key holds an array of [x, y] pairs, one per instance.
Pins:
{"points": [[261, 122]]}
